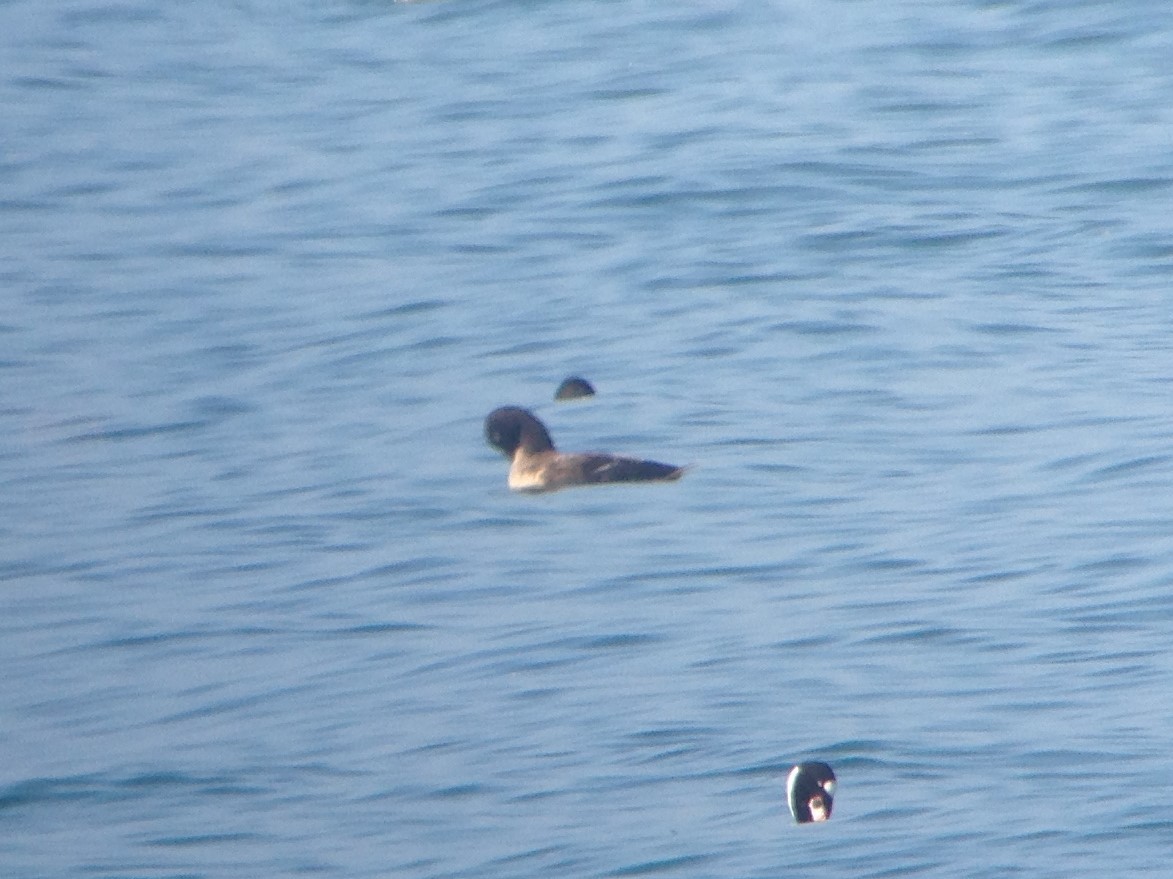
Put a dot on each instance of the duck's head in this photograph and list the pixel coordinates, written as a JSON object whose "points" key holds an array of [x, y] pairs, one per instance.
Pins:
{"points": [[810, 792], [511, 428], [574, 388]]}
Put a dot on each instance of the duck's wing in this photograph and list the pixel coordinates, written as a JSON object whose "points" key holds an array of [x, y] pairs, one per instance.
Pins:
{"points": [[594, 468]]}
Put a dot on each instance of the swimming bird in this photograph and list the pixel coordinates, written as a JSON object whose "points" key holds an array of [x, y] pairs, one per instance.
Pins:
{"points": [[810, 790], [574, 388], [538, 466]]}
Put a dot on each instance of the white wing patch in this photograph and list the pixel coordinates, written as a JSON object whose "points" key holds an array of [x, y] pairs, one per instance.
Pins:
{"points": [[791, 781]]}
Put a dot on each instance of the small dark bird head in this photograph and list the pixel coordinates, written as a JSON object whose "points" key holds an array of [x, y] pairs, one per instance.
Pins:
{"points": [[810, 792], [573, 388], [511, 428]]}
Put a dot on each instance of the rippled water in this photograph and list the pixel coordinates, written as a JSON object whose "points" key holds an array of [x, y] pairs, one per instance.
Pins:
{"points": [[894, 276]]}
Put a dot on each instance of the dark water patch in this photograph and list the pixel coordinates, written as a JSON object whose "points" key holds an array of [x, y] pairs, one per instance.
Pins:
{"points": [[429, 593], [1163, 828], [750, 573], [914, 633], [1120, 186], [1060, 762], [919, 867], [824, 328], [581, 645], [671, 735], [1091, 657], [469, 212], [387, 510], [647, 181], [148, 643], [406, 309], [438, 746], [112, 13], [213, 839], [375, 629], [230, 706], [461, 791], [218, 409], [1070, 462], [1149, 247], [41, 567], [53, 84], [120, 434], [861, 753], [536, 655], [960, 143], [811, 642], [1126, 468], [752, 279], [1135, 673], [536, 694], [535, 854], [1010, 429], [1115, 564], [776, 468], [842, 241], [431, 344], [487, 663], [1010, 329], [711, 281], [108, 789], [713, 351], [87, 189], [620, 641], [521, 348], [882, 565], [1082, 40], [51, 790], [1108, 622], [222, 250], [495, 522], [244, 637], [671, 755], [179, 511], [408, 572], [666, 865], [923, 108], [943, 240]]}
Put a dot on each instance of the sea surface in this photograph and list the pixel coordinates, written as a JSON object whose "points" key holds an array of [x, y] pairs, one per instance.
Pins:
{"points": [[895, 277]]}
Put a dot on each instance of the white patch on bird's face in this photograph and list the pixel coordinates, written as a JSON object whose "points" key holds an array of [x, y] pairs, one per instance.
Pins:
{"points": [[818, 807], [829, 787]]}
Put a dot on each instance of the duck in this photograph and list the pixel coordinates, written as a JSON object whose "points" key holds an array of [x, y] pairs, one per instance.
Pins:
{"points": [[810, 791], [574, 388], [537, 466]]}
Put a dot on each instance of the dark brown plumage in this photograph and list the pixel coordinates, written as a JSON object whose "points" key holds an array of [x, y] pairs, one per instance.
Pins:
{"points": [[538, 466]]}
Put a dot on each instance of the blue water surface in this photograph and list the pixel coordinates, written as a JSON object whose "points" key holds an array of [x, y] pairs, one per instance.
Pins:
{"points": [[895, 277]]}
